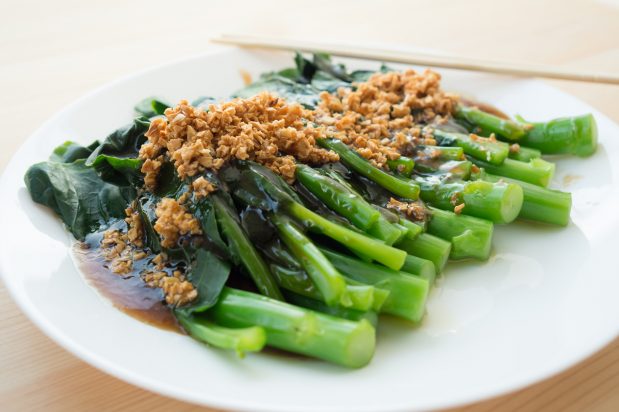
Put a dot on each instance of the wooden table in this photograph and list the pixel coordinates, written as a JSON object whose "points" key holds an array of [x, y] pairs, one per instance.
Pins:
{"points": [[53, 52]]}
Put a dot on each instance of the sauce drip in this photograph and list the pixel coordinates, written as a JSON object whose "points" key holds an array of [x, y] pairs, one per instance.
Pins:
{"points": [[126, 292]]}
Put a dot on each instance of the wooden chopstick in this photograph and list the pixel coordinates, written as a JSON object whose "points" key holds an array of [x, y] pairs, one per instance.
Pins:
{"points": [[421, 59]]}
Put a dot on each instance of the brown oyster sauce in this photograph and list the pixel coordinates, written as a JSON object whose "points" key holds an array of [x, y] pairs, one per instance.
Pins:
{"points": [[130, 294], [126, 292]]}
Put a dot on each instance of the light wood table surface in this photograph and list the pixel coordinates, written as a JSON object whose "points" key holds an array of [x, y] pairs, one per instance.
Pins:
{"points": [[53, 52]]}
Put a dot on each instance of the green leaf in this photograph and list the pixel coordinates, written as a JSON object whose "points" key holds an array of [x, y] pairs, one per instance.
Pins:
{"points": [[208, 275], [151, 107], [118, 170], [69, 151], [78, 195], [203, 102], [323, 63], [360, 76], [116, 158], [305, 68], [290, 90], [146, 205], [328, 82], [204, 211], [124, 142], [291, 73], [257, 185], [168, 182]]}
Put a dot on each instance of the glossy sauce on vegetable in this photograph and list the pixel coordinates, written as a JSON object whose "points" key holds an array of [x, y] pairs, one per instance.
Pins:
{"points": [[126, 292]]}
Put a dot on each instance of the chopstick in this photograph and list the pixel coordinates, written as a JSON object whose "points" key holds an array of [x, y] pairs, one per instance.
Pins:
{"points": [[421, 59]]}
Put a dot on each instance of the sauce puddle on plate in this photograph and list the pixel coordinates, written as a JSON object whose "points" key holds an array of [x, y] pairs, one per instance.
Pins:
{"points": [[126, 292]]}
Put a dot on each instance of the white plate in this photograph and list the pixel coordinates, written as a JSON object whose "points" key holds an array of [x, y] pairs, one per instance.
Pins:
{"points": [[546, 299]]}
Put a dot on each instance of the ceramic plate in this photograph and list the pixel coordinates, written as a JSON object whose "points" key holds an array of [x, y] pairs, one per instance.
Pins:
{"points": [[545, 300]]}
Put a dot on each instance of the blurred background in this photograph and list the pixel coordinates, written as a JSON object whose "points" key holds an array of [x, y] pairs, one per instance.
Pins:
{"points": [[52, 52]]}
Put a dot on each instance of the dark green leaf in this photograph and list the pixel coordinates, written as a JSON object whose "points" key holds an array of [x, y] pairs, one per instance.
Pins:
{"points": [[68, 152], [323, 62], [328, 82], [303, 94], [257, 225], [77, 194], [124, 142], [360, 76], [257, 186], [168, 182], [151, 106], [118, 170], [385, 69], [116, 158], [208, 275], [146, 205], [291, 73], [204, 211], [305, 68], [203, 102]]}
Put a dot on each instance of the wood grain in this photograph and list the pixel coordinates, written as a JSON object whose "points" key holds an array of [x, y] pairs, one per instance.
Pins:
{"points": [[53, 52]]}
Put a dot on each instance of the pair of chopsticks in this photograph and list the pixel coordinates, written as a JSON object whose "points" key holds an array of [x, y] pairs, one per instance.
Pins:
{"points": [[421, 59]]}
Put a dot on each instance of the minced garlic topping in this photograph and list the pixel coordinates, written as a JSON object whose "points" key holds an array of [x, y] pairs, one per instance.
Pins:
{"points": [[122, 249], [202, 187], [135, 233], [379, 117], [263, 128], [177, 290], [173, 221], [412, 210], [115, 249], [119, 250]]}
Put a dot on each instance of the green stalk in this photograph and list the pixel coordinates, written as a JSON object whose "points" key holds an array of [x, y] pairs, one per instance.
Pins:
{"points": [[403, 230], [470, 237], [298, 330], [259, 187], [440, 152], [337, 197], [327, 279], [385, 231], [241, 340], [541, 204], [488, 122], [414, 229], [380, 295], [536, 171], [390, 215], [298, 282], [523, 153], [242, 247], [402, 165], [497, 202], [337, 311], [420, 267], [574, 135], [400, 186], [407, 294], [349, 204], [372, 248], [481, 148], [428, 247], [460, 169]]}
